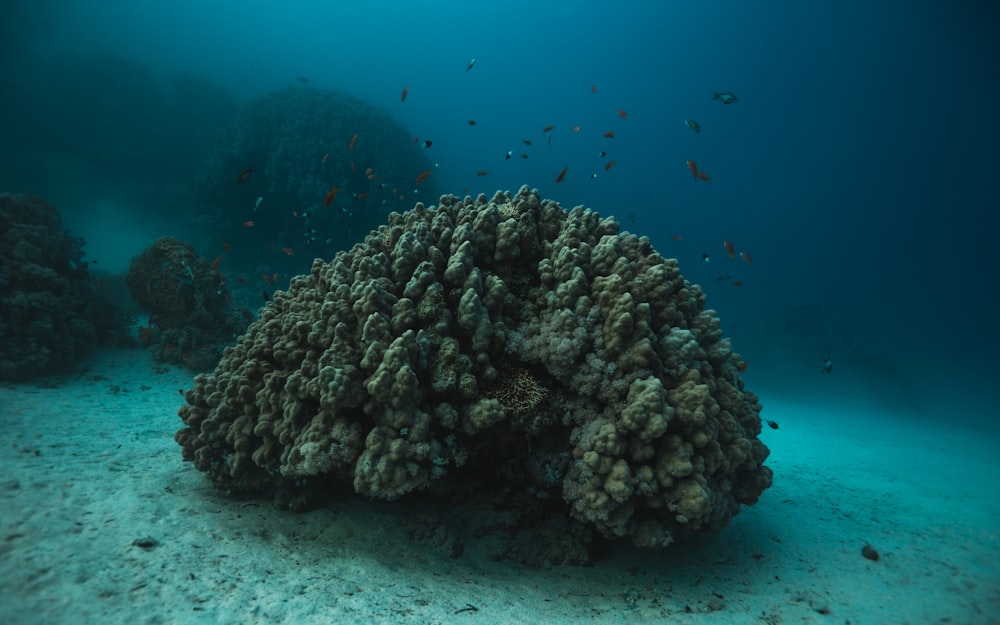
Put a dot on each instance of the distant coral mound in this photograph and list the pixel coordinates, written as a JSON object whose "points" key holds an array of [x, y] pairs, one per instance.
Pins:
{"points": [[191, 317], [300, 142], [52, 310], [500, 345]]}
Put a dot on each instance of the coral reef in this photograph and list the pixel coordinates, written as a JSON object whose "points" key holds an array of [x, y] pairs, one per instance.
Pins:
{"points": [[300, 142], [190, 314], [498, 342], [52, 309]]}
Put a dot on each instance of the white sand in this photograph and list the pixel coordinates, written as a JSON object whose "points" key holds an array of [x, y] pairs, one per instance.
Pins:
{"points": [[88, 470]]}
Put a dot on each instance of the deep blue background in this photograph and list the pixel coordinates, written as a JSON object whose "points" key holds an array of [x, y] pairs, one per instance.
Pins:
{"points": [[859, 167]]}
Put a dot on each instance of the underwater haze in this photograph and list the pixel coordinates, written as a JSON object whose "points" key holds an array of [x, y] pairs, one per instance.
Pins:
{"points": [[857, 168]]}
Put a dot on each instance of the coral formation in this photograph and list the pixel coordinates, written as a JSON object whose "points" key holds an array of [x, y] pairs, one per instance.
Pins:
{"points": [[52, 309], [190, 314], [300, 142], [503, 342]]}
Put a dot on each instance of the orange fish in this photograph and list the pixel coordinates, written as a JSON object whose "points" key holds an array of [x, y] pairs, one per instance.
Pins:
{"points": [[729, 249], [548, 128], [746, 257], [215, 262], [361, 196], [742, 366], [248, 224], [227, 247], [609, 165], [331, 196], [562, 174], [274, 278], [609, 135], [266, 278], [694, 169], [524, 156], [402, 96], [416, 139], [471, 122], [241, 279], [289, 251], [703, 176], [244, 175], [144, 333], [325, 157], [622, 114], [676, 237], [737, 283], [353, 168], [593, 88], [576, 128], [424, 175], [350, 145], [482, 172]]}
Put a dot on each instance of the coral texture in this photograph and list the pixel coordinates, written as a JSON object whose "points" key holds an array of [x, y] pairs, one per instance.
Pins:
{"points": [[52, 310], [496, 341], [190, 315]]}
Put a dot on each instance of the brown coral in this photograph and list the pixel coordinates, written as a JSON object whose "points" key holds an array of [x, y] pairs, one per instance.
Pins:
{"points": [[417, 356]]}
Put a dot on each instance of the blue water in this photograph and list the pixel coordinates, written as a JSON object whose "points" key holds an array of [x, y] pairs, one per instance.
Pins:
{"points": [[857, 168]]}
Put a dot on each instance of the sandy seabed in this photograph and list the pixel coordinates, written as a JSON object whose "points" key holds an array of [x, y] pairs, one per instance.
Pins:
{"points": [[90, 468]]}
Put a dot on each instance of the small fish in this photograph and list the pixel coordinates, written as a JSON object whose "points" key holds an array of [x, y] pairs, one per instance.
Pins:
{"points": [[471, 122], [227, 247], [524, 156], [737, 283], [267, 298], [526, 142], [482, 172], [693, 125], [248, 224], [771, 424], [215, 262], [593, 176], [609, 165], [549, 128], [593, 88], [631, 218], [746, 257], [729, 249], [303, 80], [428, 143], [416, 139], [360, 196], [676, 237], [549, 138], [724, 277], [244, 175], [727, 97], [622, 114], [241, 279], [694, 169], [603, 154], [562, 174], [325, 158], [705, 257], [576, 128], [330, 196], [288, 251], [509, 154], [470, 64], [609, 134], [402, 96], [827, 364], [257, 205], [424, 175], [145, 332], [354, 139]]}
